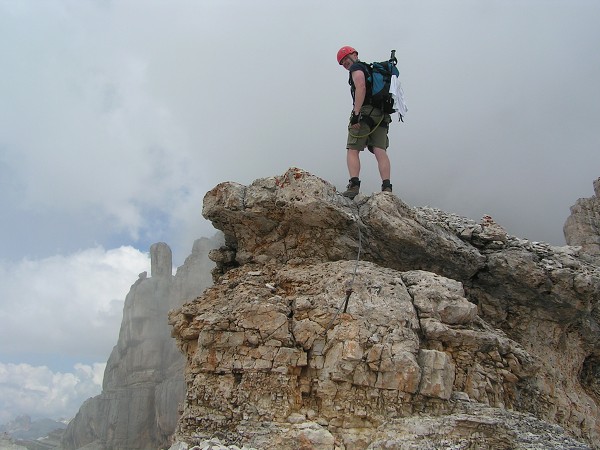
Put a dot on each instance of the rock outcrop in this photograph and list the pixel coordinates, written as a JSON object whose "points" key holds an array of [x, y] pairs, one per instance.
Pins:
{"points": [[143, 384], [582, 227], [367, 324]]}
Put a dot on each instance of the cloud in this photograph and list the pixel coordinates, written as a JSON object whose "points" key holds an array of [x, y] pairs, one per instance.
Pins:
{"points": [[60, 319], [66, 306], [85, 135], [40, 392]]}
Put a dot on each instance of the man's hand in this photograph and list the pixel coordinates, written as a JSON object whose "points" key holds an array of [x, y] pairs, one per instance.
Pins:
{"points": [[355, 120]]}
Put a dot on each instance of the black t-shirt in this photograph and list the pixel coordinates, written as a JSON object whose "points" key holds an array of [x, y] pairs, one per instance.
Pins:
{"points": [[362, 67]]}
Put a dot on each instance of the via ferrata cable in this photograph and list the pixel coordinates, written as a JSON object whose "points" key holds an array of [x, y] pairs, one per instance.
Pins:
{"points": [[349, 285]]}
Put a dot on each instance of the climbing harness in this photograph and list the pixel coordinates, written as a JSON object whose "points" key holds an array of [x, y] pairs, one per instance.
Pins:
{"points": [[370, 132], [349, 284]]}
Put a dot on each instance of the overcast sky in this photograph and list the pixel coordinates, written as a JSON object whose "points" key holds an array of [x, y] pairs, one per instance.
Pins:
{"points": [[116, 117]]}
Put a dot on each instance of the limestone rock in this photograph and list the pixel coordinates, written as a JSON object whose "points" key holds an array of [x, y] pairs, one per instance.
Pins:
{"points": [[439, 297], [473, 426], [161, 264], [246, 364], [281, 219], [438, 374], [582, 227], [455, 333]]}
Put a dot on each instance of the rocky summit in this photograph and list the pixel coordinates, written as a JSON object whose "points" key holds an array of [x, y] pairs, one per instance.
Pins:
{"points": [[368, 324]]}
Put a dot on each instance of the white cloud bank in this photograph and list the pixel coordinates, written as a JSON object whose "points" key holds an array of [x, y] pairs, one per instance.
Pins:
{"points": [[60, 319], [68, 305], [40, 392]]}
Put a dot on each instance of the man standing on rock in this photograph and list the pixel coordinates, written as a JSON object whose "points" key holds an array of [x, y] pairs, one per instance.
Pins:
{"points": [[368, 125]]}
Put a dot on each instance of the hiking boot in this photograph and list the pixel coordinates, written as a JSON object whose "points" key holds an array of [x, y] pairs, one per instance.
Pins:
{"points": [[386, 186], [353, 188]]}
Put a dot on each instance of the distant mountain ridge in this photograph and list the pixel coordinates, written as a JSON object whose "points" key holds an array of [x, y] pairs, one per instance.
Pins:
{"points": [[23, 427]]}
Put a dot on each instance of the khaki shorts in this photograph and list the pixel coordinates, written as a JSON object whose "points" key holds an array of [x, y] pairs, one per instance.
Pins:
{"points": [[360, 138]]}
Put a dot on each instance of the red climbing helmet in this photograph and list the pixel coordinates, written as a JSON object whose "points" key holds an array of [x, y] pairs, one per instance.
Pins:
{"points": [[343, 52]]}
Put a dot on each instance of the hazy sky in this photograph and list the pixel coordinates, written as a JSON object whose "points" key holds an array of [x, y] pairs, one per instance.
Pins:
{"points": [[116, 117]]}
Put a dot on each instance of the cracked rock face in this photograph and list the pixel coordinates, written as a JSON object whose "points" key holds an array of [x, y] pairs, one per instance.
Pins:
{"points": [[269, 345], [454, 330]]}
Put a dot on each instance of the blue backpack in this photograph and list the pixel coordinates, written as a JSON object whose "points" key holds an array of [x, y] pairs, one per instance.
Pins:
{"points": [[380, 77]]}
